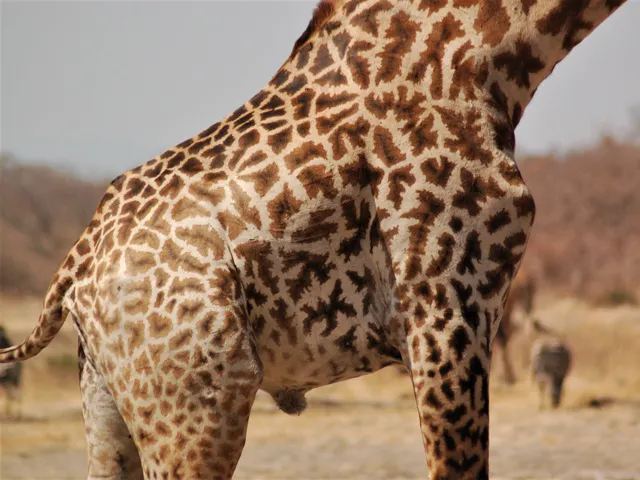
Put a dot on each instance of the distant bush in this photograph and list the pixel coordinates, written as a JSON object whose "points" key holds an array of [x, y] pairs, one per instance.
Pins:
{"points": [[63, 361], [42, 213], [617, 296], [587, 228]]}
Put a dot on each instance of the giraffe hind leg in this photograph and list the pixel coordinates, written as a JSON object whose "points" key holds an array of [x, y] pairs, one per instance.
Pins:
{"points": [[190, 411], [111, 452]]}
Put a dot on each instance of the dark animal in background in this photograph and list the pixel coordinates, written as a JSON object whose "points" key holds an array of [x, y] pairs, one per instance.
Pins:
{"points": [[550, 363], [10, 376]]}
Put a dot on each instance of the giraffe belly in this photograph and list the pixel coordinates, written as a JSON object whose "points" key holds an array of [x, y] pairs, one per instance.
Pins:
{"points": [[330, 331], [319, 297]]}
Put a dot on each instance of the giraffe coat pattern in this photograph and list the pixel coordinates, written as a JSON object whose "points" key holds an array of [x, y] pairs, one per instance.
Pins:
{"points": [[362, 209]]}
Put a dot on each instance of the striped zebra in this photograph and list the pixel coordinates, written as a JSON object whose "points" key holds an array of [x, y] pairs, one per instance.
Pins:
{"points": [[10, 378], [550, 363]]}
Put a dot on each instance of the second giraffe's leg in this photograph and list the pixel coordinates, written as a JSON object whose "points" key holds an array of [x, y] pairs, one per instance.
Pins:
{"points": [[111, 451], [450, 374], [501, 341], [509, 376]]}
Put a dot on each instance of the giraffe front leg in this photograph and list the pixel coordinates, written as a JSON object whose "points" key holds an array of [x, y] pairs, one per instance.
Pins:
{"points": [[449, 361]]}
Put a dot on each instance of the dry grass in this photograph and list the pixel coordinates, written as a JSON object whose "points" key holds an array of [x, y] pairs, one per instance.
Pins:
{"points": [[42, 213]]}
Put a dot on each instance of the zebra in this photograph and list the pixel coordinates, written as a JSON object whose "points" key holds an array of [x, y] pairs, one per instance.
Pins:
{"points": [[550, 363], [10, 378]]}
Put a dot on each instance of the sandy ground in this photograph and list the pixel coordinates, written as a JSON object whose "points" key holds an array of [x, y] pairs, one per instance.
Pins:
{"points": [[368, 428]]}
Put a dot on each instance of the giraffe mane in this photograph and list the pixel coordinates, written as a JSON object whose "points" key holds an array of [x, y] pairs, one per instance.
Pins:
{"points": [[322, 13]]}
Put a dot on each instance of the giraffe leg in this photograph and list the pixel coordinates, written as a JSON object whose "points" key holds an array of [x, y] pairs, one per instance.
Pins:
{"points": [[451, 388], [200, 430], [112, 453], [509, 376], [502, 340], [189, 412]]}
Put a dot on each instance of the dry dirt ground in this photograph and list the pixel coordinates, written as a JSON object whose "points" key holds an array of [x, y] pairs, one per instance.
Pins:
{"points": [[368, 428]]}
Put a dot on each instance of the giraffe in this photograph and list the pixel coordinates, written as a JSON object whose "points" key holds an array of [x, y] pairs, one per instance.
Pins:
{"points": [[362, 209], [522, 292]]}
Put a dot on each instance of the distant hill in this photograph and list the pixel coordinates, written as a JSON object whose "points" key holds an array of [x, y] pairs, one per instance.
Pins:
{"points": [[42, 213], [586, 237], [585, 242]]}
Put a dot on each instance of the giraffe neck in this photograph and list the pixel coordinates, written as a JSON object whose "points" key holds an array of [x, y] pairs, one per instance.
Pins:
{"points": [[488, 53], [525, 39]]}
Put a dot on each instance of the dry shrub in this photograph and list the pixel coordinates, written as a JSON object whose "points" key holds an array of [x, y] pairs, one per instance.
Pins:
{"points": [[42, 213], [616, 297], [587, 230]]}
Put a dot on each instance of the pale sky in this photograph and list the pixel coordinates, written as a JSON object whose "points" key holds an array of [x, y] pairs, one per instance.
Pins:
{"points": [[100, 87]]}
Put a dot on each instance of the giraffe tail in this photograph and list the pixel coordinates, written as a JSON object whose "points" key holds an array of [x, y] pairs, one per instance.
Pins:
{"points": [[49, 324]]}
